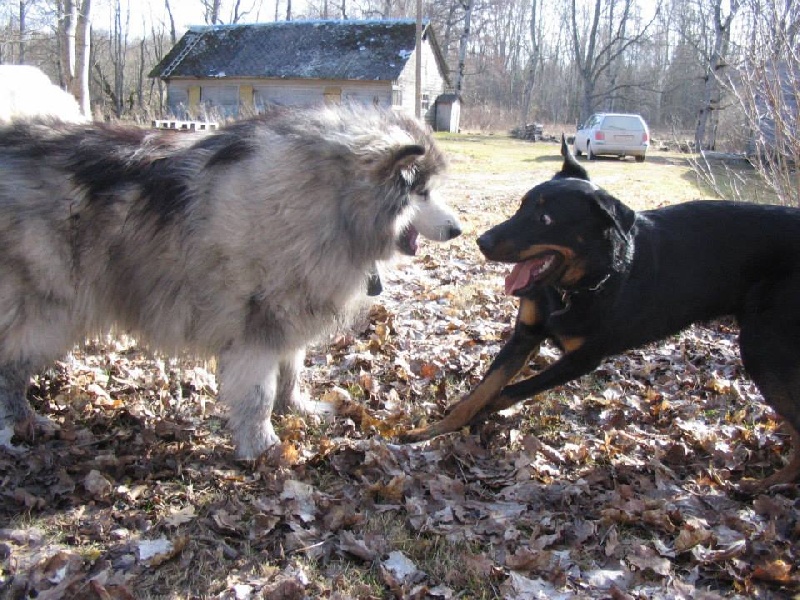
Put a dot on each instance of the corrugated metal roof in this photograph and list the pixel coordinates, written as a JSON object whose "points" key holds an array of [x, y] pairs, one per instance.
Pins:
{"points": [[360, 50]]}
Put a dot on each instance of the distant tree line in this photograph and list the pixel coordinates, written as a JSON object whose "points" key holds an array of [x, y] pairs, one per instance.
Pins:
{"points": [[511, 61]]}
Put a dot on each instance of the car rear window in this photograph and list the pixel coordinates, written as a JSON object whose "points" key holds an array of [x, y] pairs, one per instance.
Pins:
{"points": [[623, 123]]}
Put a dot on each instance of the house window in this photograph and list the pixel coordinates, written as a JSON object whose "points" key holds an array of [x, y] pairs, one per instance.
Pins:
{"points": [[425, 102], [397, 95], [220, 101]]}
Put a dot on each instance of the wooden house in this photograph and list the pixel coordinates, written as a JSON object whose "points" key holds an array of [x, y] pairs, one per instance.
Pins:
{"points": [[233, 70]]}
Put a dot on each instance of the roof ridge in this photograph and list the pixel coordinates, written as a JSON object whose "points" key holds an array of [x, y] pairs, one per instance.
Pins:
{"points": [[405, 21]]}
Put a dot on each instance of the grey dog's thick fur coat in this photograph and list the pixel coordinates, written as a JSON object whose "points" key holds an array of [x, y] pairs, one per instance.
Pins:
{"points": [[247, 243]]}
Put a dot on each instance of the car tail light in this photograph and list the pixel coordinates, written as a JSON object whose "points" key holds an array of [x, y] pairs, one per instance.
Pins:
{"points": [[599, 135], [645, 137]]}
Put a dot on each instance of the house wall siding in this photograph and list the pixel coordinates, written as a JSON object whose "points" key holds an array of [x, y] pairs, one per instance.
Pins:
{"points": [[231, 97], [432, 81]]}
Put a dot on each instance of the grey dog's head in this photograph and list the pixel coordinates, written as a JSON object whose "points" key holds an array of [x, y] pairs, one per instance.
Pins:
{"points": [[418, 163]]}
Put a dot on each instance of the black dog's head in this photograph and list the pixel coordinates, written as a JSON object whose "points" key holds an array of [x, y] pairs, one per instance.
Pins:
{"points": [[567, 232]]}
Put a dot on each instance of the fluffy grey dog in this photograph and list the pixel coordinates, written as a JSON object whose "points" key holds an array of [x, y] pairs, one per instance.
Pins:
{"points": [[247, 243]]}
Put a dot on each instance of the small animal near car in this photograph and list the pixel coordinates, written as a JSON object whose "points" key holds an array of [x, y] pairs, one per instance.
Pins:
{"points": [[598, 278], [613, 134]]}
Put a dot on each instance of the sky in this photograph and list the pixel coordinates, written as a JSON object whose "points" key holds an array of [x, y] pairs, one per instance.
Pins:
{"points": [[186, 12]]}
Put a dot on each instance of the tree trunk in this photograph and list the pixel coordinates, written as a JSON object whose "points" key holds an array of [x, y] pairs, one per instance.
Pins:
{"points": [[70, 26], [75, 48], [707, 117], [173, 35], [533, 63], [23, 13], [120, 45], [462, 46], [213, 8], [83, 51]]}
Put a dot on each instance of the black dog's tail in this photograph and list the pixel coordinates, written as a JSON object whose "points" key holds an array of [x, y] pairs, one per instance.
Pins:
{"points": [[570, 168]]}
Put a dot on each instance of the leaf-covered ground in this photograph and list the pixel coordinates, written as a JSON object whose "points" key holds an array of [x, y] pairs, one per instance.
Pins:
{"points": [[620, 485]]}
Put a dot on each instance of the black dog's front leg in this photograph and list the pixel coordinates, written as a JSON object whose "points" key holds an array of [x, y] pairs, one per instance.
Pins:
{"points": [[510, 360], [575, 363]]}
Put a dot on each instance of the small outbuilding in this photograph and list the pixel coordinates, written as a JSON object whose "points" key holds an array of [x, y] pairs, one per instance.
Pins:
{"points": [[233, 70], [447, 115]]}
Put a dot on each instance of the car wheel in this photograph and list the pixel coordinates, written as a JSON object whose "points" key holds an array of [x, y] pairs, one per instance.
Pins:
{"points": [[639, 158], [577, 151], [589, 154]]}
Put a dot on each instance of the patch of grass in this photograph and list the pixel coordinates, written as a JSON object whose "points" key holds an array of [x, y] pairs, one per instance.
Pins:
{"points": [[664, 178], [458, 565]]}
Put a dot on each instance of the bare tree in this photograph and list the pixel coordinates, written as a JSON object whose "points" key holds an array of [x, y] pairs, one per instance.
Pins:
{"points": [[767, 88], [239, 13], [467, 5], [173, 36], [211, 12], [597, 49], [534, 59], [23, 13], [119, 48], [708, 116], [75, 41]]}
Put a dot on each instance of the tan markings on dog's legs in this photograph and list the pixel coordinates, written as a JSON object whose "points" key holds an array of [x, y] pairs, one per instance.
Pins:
{"points": [[528, 312], [570, 344], [512, 357], [464, 411]]}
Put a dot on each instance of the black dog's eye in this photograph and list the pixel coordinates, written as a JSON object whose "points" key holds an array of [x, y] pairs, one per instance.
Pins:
{"points": [[545, 219]]}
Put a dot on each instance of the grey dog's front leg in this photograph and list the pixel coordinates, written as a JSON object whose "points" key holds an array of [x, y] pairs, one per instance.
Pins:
{"points": [[14, 407], [289, 395], [248, 385]]}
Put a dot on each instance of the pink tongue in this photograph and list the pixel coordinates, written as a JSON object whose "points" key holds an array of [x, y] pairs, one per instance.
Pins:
{"points": [[521, 274]]}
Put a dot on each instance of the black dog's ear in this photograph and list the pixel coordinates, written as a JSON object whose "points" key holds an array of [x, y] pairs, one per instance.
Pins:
{"points": [[621, 216], [570, 168]]}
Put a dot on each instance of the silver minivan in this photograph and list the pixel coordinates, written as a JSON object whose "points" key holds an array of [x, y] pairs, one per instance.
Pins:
{"points": [[614, 134]]}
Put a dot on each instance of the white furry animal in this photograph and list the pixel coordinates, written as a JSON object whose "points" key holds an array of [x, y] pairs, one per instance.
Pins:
{"points": [[247, 243], [26, 91]]}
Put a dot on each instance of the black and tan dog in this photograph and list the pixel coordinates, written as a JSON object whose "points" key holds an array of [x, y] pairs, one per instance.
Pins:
{"points": [[598, 278]]}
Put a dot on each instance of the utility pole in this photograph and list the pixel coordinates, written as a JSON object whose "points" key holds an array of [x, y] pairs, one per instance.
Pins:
{"points": [[418, 65]]}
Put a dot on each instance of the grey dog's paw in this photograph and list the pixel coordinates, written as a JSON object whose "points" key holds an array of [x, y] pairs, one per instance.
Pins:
{"points": [[321, 408], [253, 440], [27, 428], [301, 403]]}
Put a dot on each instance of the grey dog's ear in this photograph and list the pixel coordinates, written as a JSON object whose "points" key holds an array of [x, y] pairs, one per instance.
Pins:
{"points": [[406, 155], [404, 159], [387, 164]]}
